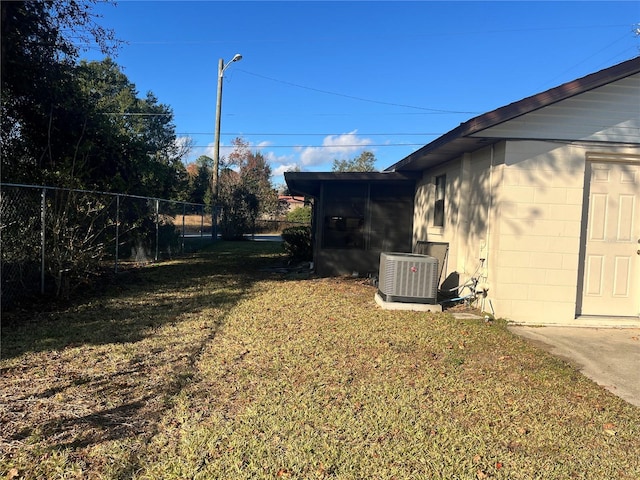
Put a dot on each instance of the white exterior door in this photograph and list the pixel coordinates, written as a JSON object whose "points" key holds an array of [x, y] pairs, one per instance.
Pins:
{"points": [[611, 283]]}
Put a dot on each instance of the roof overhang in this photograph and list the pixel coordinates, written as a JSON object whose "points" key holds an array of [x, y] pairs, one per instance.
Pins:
{"points": [[467, 137], [309, 183]]}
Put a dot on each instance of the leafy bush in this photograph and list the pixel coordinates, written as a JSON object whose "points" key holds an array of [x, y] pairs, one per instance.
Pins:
{"points": [[240, 209], [141, 245], [297, 242], [300, 215]]}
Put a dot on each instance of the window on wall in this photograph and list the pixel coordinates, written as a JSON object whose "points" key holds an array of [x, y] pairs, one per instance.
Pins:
{"points": [[438, 206], [344, 216], [343, 232]]}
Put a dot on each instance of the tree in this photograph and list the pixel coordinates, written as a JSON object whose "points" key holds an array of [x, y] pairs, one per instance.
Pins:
{"points": [[245, 190], [76, 124], [93, 131], [79, 124], [39, 52], [254, 174], [365, 162], [127, 143], [199, 180]]}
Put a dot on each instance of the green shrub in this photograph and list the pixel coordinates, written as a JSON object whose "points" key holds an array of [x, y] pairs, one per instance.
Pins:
{"points": [[300, 215], [297, 242], [240, 209]]}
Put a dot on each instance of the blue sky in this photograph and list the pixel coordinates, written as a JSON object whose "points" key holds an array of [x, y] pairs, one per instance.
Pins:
{"points": [[326, 80]]}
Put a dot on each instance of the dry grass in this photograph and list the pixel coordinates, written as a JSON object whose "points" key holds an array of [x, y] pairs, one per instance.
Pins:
{"points": [[211, 367], [192, 223]]}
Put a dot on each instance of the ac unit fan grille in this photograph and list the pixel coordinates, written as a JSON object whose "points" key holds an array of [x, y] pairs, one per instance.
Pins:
{"points": [[406, 277]]}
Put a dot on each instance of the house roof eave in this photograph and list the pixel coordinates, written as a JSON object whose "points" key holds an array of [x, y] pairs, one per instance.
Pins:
{"points": [[459, 140], [309, 183]]}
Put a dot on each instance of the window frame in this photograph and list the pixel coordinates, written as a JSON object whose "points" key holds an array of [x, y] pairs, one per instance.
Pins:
{"points": [[344, 217], [439, 196]]}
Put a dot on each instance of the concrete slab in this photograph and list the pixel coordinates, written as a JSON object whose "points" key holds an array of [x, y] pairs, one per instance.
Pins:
{"points": [[608, 356], [418, 307], [598, 321], [467, 316]]}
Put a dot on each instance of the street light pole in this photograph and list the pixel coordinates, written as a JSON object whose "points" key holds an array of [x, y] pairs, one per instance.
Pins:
{"points": [[216, 141]]}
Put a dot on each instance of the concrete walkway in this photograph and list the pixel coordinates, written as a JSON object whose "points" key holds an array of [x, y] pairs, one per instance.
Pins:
{"points": [[608, 356], [270, 237]]}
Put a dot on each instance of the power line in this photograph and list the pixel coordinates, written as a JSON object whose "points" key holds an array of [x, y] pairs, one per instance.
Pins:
{"points": [[345, 114], [584, 60], [340, 38], [315, 134], [125, 114], [331, 146], [351, 96]]}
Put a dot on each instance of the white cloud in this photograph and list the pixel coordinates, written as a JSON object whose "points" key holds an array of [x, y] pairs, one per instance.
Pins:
{"points": [[181, 142], [333, 147], [208, 151], [224, 151], [274, 159], [285, 167], [280, 164]]}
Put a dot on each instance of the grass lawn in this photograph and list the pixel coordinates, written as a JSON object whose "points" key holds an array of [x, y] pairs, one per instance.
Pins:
{"points": [[214, 366]]}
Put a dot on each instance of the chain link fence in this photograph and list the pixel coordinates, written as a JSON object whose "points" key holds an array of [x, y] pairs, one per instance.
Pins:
{"points": [[53, 240]]}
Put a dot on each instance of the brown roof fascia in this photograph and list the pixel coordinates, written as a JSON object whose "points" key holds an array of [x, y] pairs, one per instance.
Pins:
{"points": [[308, 183], [350, 176], [526, 105]]}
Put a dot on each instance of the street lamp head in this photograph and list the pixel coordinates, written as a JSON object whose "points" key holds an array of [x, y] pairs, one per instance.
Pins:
{"points": [[222, 67]]}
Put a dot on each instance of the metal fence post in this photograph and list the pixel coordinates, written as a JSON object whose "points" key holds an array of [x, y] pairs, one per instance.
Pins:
{"points": [[157, 227], [217, 209], [201, 222], [184, 212], [43, 218], [214, 222], [117, 231]]}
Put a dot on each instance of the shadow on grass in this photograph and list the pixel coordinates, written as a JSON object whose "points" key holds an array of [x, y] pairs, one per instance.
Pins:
{"points": [[107, 368], [139, 300]]}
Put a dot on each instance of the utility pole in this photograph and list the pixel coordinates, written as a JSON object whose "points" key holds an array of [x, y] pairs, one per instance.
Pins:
{"points": [[216, 144]]}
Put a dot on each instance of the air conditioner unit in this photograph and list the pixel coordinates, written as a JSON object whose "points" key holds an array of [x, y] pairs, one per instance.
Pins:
{"points": [[408, 277]]}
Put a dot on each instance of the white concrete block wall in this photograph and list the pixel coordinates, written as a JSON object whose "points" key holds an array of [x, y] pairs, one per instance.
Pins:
{"points": [[468, 204], [423, 229], [524, 199], [537, 242]]}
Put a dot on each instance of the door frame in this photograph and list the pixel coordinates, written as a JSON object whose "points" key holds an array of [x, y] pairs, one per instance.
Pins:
{"points": [[590, 158]]}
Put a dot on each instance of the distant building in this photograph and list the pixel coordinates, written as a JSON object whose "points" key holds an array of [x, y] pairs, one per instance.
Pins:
{"points": [[290, 202]]}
